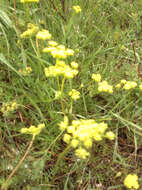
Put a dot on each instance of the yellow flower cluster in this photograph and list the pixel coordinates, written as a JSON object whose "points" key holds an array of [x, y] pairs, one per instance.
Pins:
{"points": [[25, 71], [52, 43], [33, 130], [131, 181], [74, 65], [140, 86], [9, 107], [127, 85], [29, 1], [96, 77], [59, 51], [61, 69], [103, 86], [81, 134], [77, 8], [74, 94], [43, 35], [31, 31]]}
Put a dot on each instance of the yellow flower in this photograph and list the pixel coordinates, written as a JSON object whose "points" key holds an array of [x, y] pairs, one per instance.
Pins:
{"points": [[129, 85], [140, 86], [63, 125], [97, 137], [105, 87], [74, 94], [33, 130], [60, 69], [48, 49], [31, 31], [96, 77], [81, 153], [77, 8], [58, 52], [88, 143], [131, 181], [61, 47], [24, 130], [43, 35], [28, 1], [60, 63], [74, 143], [71, 129], [52, 43], [118, 86], [123, 81], [69, 51], [110, 135], [74, 65], [82, 133], [67, 138]]}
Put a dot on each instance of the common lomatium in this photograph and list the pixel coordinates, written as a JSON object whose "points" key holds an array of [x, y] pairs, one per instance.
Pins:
{"points": [[43, 35], [33, 130], [81, 134], [74, 94], [59, 51], [31, 31], [103, 86], [127, 85], [77, 8]]}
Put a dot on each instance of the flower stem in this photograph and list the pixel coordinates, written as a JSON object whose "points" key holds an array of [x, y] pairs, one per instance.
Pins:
{"points": [[21, 161], [61, 156]]}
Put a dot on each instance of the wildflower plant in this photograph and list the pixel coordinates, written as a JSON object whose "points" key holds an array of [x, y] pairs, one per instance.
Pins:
{"points": [[30, 32], [60, 83], [82, 133], [33, 130]]}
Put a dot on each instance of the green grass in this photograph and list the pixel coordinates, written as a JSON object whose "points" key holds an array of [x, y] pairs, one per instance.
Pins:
{"points": [[97, 35]]}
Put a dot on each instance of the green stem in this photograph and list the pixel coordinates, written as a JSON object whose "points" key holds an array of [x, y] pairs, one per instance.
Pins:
{"points": [[61, 156], [26, 7], [58, 83], [62, 86], [71, 106], [21, 161]]}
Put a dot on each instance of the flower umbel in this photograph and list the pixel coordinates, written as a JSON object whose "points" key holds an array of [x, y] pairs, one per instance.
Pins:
{"points": [[81, 134], [96, 77], [131, 181], [105, 87], [77, 8], [43, 35], [31, 31], [74, 94], [33, 130]]}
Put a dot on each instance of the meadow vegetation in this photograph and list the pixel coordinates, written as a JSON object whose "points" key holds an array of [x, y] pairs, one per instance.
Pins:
{"points": [[70, 94]]}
